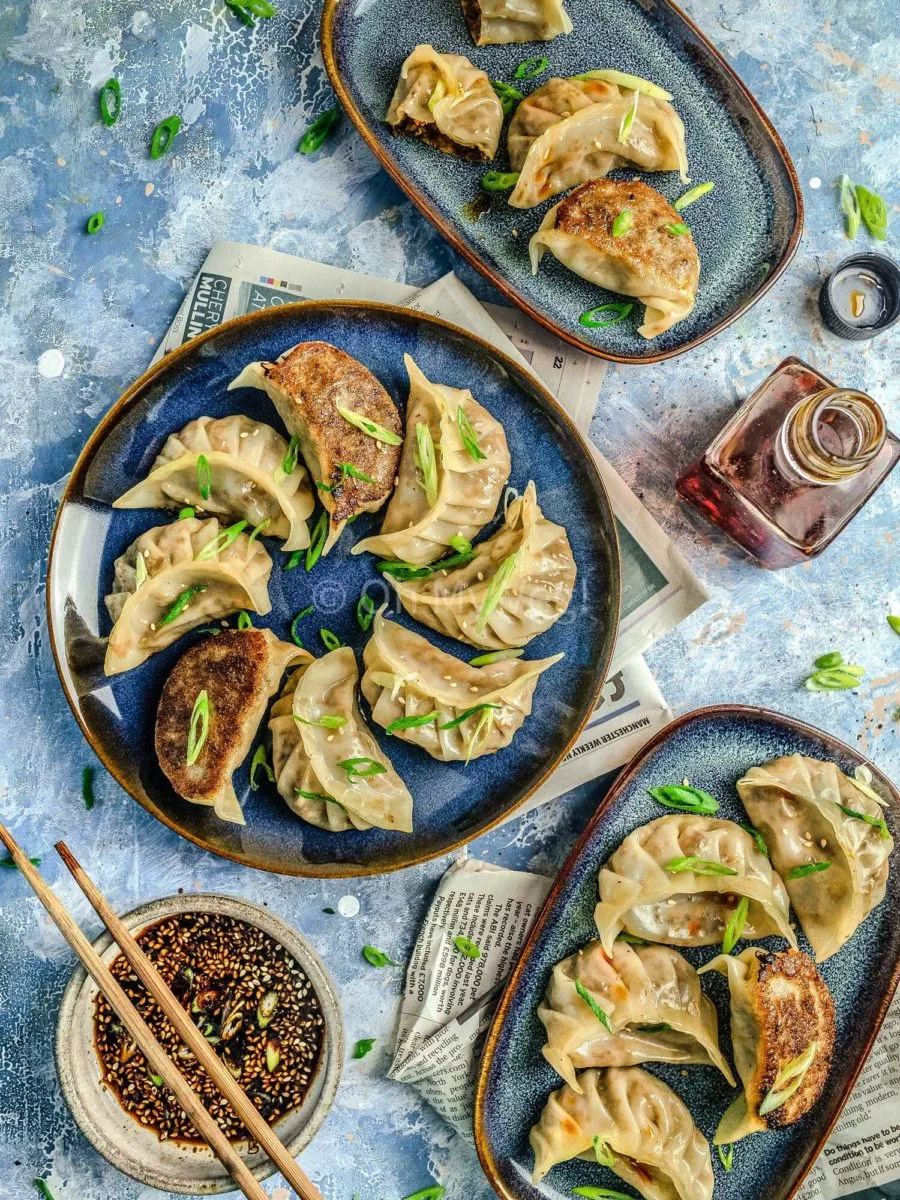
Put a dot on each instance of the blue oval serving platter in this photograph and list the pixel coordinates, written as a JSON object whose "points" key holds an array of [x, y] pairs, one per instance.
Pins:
{"points": [[712, 747], [746, 231], [452, 803]]}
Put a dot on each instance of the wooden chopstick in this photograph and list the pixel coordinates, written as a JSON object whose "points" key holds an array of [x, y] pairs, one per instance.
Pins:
{"points": [[145, 1040], [189, 1033]]}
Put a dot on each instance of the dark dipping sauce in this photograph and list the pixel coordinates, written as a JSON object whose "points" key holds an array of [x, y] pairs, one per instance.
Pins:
{"points": [[254, 1004]]}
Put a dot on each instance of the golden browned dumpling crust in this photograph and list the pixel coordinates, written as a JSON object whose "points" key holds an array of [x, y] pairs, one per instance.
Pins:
{"points": [[472, 13], [794, 1008], [647, 247], [231, 667]]}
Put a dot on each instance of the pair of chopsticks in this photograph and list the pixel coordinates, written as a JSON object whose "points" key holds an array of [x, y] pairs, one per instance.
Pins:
{"points": [[158, 1059]]}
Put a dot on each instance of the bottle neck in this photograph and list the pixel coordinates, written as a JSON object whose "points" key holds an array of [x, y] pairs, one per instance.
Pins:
{"points": [[830, 436]]}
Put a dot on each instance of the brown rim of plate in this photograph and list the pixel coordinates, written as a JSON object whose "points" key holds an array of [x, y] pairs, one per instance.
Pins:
{"points": [[835, 745], [135, 393], [468, 252]]}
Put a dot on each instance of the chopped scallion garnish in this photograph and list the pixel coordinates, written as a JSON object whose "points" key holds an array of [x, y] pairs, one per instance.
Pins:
{"points": [[246, 10], [316, 796], [110, 99], [198, 731], [320, 130], [878, 823], [377, 958], [850, 207], [699, 866], [372, 428], [260, 759], [185, 512], [825, 662], [592, 1004], [221, 541], [204, 477], [758, 839], [726, 1156], [623, 222], [685, 799], [690, 196], [808, 869], [402, 723], [140, 570], [873, 211], [96, 222], [735, 926], [317, 541], [470, 712], [602, 1152], [531, 67], [677, 229], [243, 621], [894, 622], [788, 1080], [365, 612], [499, 181], [362, 1047], [495, 590], [11, 864], [330, 640], [485, 660], [466, 948], [290, 459], [163, 136], [461, 544], [326, 721], [362, 768], [304, 612], [632, 83], [628, 119], [468, 436], [426, 462], [181, 604], [509, 95], [605, 314], [87, 787], [42, 1189]]}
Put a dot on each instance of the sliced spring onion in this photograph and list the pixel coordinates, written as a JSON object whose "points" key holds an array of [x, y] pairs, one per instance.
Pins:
{"points": [[181, 604], [592, 1004], [260, 759], [690, 196], [461, 544], [850, 207], [699, 866], [628, 120], [365, 612], [470, 712], [243, 621], [466, 948], [257, 530], [758, 838], [632, 83], [273, 1054], [631, 938], [499, 181], [198, 730], [320, 130], [164, 135], [429, 1193], [246, 10], [12, 864], [363, 1046], [825, 662], [836, 679], [495, 590], [468, 436], [726, 1156], [362, 768], [87, 787], [599, 1193], [808, 869], [304, 612], [485, 660], [531, 67], [602, 1152], [110, 99], [295, 559], [371, 428], [685, 799], [140, 570], [605, 314], [204, 477], [377, 958], [185, 512], [96, 222], [355, 473], [788, 1080], [221, 542], [316, 796], [437, 95], [403, 571], [317, 541], [679, 229], [330, 640], [735, 926], [290, 459], [623, 222], [426, 462], [509, 95], [878, 823], [411, 722], [40, 1185], [873, 211], [327, 721], [482, 729], [894, 622]]}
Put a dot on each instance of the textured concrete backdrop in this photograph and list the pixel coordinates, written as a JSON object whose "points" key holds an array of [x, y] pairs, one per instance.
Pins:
{"points": [[826, 72]]}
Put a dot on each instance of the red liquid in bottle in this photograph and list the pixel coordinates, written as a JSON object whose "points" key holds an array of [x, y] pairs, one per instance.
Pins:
{"points": [[793, 466]]}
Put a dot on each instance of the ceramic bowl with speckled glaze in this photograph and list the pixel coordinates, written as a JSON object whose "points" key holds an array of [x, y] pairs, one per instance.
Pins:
{"points": [[135, 1150], [453, 803], [713, 748], [746, 230]]}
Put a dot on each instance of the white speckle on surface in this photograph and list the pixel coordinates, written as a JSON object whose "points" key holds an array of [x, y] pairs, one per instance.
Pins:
{"points": [[348, 906], [815, 182], [51, 364]]}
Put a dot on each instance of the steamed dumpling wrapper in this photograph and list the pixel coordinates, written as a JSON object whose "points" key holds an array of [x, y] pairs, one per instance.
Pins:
{"points": [[176, 577], [295, 778], [467, 488], [448, 103], [245, 474], [646, 261], [516, 585], [406, 676], [800, 805], [651, 996], [679, 879], [499, 22], [567, 132], [647, 1129]]}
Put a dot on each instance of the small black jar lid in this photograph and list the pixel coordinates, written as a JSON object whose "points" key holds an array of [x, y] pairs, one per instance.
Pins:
{"points": [[888, 273]]}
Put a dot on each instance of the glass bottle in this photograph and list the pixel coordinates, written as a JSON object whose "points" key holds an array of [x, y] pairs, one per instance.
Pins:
{"points": [[795, 463]]}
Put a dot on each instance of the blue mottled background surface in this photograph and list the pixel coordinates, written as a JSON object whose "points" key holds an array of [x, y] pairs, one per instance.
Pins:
{"points": [[829, 76]]}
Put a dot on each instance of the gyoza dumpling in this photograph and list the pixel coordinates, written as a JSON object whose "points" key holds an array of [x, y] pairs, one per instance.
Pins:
{"points": [[567, 132], [478, 710], [652, 1000], [498, 22], [647, 261], [176, 577], [456, 491], [447, 102], [516, 585], [233, 467], [348, 427], [210, 709], [809, 812], [345, 758], [643, 1130], [297, 783], [679, 879], [782, 1032]]}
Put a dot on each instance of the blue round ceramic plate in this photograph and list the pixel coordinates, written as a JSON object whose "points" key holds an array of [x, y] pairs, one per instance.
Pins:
{"points": [[713, 748], [452, 803]]}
